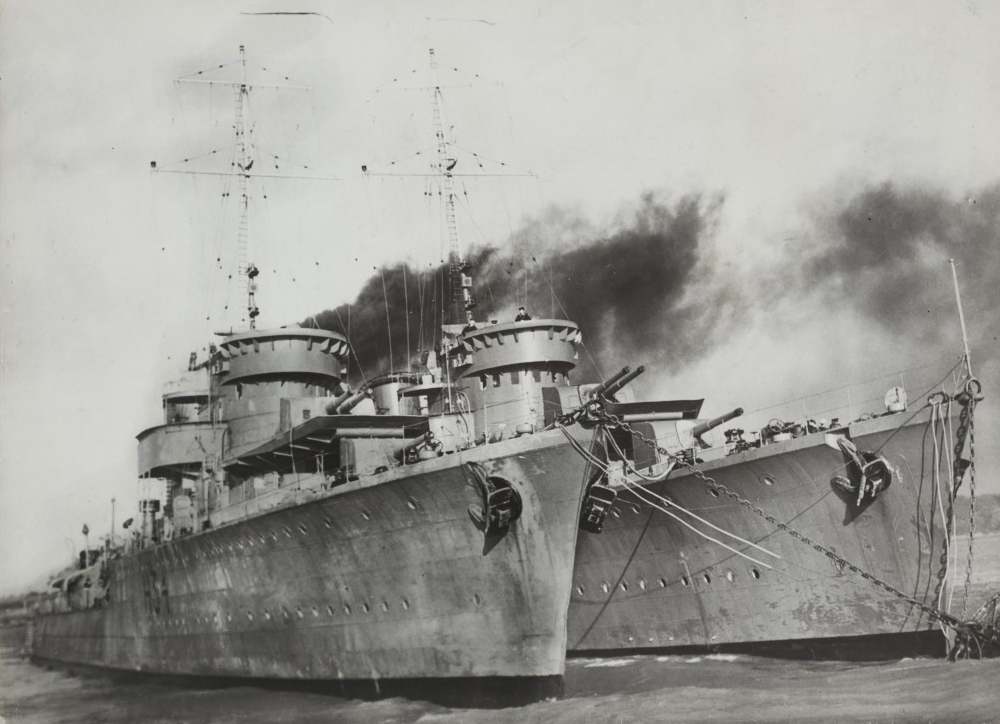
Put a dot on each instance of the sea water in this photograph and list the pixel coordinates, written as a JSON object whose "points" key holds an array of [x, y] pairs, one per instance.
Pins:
{"points": [[711, 688]]}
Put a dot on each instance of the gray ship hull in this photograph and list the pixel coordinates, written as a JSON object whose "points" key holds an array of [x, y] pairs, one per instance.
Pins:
{"points": [[389, 579], [648, 582]]}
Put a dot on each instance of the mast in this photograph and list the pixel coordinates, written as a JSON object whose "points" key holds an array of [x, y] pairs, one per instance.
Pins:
{"points": [[961, 318], [245, 268], [461, 283], [242, 165]]}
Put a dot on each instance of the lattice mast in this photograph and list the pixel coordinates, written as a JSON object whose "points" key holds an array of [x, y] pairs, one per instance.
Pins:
{"points": [[462, 302], [245, 267], [242, 165]]}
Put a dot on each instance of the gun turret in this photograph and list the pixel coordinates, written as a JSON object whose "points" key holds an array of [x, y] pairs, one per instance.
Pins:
{"points": [[602, 388], [332, 405], [618, 381], [351, 402], [702, 427], [622, 381]]}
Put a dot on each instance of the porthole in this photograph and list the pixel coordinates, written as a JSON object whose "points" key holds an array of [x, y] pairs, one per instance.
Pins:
{"points": [[315, 612], [605, 587], [623, 585], [274, 536], [366, 515], [284, 612], [663, 583], [287, 531], [767, 479], [249, 617], [642, 583], [755, 573], [636, 509], [685, 581], [477, 599], [229, 617], [329, 610], [411, 503], [367, 608], [615, 512], [267, 614], [347, 609], [262, 538], [385, 605], [303, 529], [406, 604], [730, 576], [298, 612], [706, 578], [713, 491], [327, 522], [579, 590]]}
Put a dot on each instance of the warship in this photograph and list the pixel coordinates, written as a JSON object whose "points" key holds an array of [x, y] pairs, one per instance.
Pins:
{"points": [[292, 526], [479, 516], [804, 538]]}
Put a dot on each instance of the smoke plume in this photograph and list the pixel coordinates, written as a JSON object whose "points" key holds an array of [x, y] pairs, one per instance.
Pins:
{"points": [[628, 288], [651, 288], [885, 252]]}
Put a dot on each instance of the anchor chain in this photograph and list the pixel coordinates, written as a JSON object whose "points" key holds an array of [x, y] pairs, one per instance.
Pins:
{"points": [[842, 563], [966, 430]]}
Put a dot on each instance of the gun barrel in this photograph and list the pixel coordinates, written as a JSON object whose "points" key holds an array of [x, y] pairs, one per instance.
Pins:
{"points": [[602, 388], [703, 427], [332, 405], [416, 442], [622, 381], [351, 402]]}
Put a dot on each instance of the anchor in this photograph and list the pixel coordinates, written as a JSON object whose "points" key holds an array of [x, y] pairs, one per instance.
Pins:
{"points": [[501, 504], [872, 473], [596, 504]]}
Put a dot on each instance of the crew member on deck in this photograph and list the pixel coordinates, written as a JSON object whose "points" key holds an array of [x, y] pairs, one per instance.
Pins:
{"points": [[522, 316]]}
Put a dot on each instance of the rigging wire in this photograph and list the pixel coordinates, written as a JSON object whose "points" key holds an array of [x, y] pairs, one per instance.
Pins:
{"points": [[388, 323], [606, 470], [610, 438], [406, 313]]}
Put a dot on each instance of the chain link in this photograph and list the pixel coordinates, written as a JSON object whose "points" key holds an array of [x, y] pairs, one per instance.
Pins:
{"points": [[968, 411], [841, 562]]}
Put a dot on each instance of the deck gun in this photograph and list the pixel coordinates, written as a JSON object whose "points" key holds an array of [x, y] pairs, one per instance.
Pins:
{"points": [[608, 389], [691, 435]]}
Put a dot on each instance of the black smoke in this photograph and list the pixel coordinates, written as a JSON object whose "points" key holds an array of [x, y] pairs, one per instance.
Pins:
{"points": [[885, 251], [651, 288], [629, 288]]}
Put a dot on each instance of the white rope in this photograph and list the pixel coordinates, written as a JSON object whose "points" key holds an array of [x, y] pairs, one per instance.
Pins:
{"points": [[688, 512], [634, 489], [953, 562], [936, 454], [603, 467]]}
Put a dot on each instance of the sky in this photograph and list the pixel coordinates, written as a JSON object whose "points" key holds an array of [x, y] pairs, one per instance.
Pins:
{"points": [[784, 121]]}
